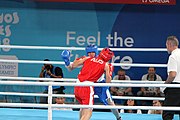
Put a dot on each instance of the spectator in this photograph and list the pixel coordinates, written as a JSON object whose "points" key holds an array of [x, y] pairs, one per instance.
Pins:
{"points": [[151, 91], [61, 100], [155, 103], [50, 71], [130, 102], [121, 91]]}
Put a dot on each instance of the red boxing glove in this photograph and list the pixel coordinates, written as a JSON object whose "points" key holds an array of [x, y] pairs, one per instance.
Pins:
{"points": [[111, 69]]}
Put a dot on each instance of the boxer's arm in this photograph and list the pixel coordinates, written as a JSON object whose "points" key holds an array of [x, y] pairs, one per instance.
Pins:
{"points": [[78, 62], [107, 71], [111, 69]]}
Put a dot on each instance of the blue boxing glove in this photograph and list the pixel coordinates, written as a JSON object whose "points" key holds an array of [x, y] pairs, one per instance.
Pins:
{"points": [[66, 57]]}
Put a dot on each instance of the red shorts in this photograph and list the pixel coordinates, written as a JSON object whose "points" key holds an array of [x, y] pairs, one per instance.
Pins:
{"points": [[84, 95]]}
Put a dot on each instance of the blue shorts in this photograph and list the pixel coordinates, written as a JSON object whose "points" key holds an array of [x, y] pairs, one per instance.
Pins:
{"points": [[103, 93]]}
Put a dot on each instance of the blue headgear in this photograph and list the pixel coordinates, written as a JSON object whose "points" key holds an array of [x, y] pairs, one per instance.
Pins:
{"points": [[92, 48]]}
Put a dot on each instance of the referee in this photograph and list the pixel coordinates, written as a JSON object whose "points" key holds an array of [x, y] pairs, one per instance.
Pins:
{"points": [[172, 95]]}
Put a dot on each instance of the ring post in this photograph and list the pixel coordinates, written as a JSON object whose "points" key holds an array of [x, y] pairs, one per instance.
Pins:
{"points": [[50, 101]]}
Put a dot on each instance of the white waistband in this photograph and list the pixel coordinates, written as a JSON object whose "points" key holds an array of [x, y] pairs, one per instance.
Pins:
{"points": [[84, 81]]}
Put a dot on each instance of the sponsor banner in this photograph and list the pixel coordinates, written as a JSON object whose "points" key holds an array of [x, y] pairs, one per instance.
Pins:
{"points": [[8, 68], [127, 26], [159, 2]]}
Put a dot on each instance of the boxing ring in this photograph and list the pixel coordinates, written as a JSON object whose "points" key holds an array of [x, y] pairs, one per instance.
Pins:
{"points": [[10, 111], [26, 114]]}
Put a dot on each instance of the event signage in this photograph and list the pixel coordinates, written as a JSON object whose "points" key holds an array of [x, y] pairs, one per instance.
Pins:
{"points": [[159, 2]]}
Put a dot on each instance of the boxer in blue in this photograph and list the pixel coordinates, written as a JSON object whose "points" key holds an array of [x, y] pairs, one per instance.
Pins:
{"points": [[102, 92]]}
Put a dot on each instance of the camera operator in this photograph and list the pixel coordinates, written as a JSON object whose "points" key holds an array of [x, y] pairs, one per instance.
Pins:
{"points": [[50, 71]]}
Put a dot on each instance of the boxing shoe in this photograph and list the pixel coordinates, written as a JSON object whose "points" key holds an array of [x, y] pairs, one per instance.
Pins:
{"points": [[119, 118]]}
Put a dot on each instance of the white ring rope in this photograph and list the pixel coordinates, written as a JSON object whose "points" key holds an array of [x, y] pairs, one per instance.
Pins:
{"points": [[80, 48], [75, 80], [73, 96], [89, 106], [86, 84], [92, 84], [25, 94], [32, 61], [119, 107], [33, 78], [62, 63], [82, 84]]}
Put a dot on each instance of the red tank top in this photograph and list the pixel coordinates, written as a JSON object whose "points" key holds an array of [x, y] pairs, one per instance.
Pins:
{"points": [[92, 70]]}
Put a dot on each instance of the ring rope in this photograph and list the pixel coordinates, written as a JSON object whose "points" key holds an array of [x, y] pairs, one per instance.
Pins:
{"points": [[75, 80], [118, 107], [62, 63], [73, 96], [89, 106], [85, 84], [79, 48]]}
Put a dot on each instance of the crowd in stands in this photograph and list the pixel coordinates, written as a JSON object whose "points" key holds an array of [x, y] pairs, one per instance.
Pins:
{"points": [[151, 75]]}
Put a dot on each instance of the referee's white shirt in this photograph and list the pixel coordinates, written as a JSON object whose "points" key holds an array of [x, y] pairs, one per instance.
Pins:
{"points": [[174, 64]]}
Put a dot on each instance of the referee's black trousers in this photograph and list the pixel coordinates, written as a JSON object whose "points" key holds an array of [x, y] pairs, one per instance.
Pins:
{"points": [[172, 98]]}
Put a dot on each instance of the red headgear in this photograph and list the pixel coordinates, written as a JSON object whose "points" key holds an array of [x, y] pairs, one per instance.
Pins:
{"points": [[106, 54]]}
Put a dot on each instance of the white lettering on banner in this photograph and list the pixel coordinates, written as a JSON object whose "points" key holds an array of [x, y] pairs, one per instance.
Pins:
{"points": [[6, 41], [7, 19], [125, 59], [127, 42], [8, 31], [69, 37], [81, 40], [113, 41], [5, 30], [8, 68], [155, 1]]}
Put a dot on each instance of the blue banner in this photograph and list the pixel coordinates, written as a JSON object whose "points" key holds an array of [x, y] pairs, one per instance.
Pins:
{"points": [[79, 24]]}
